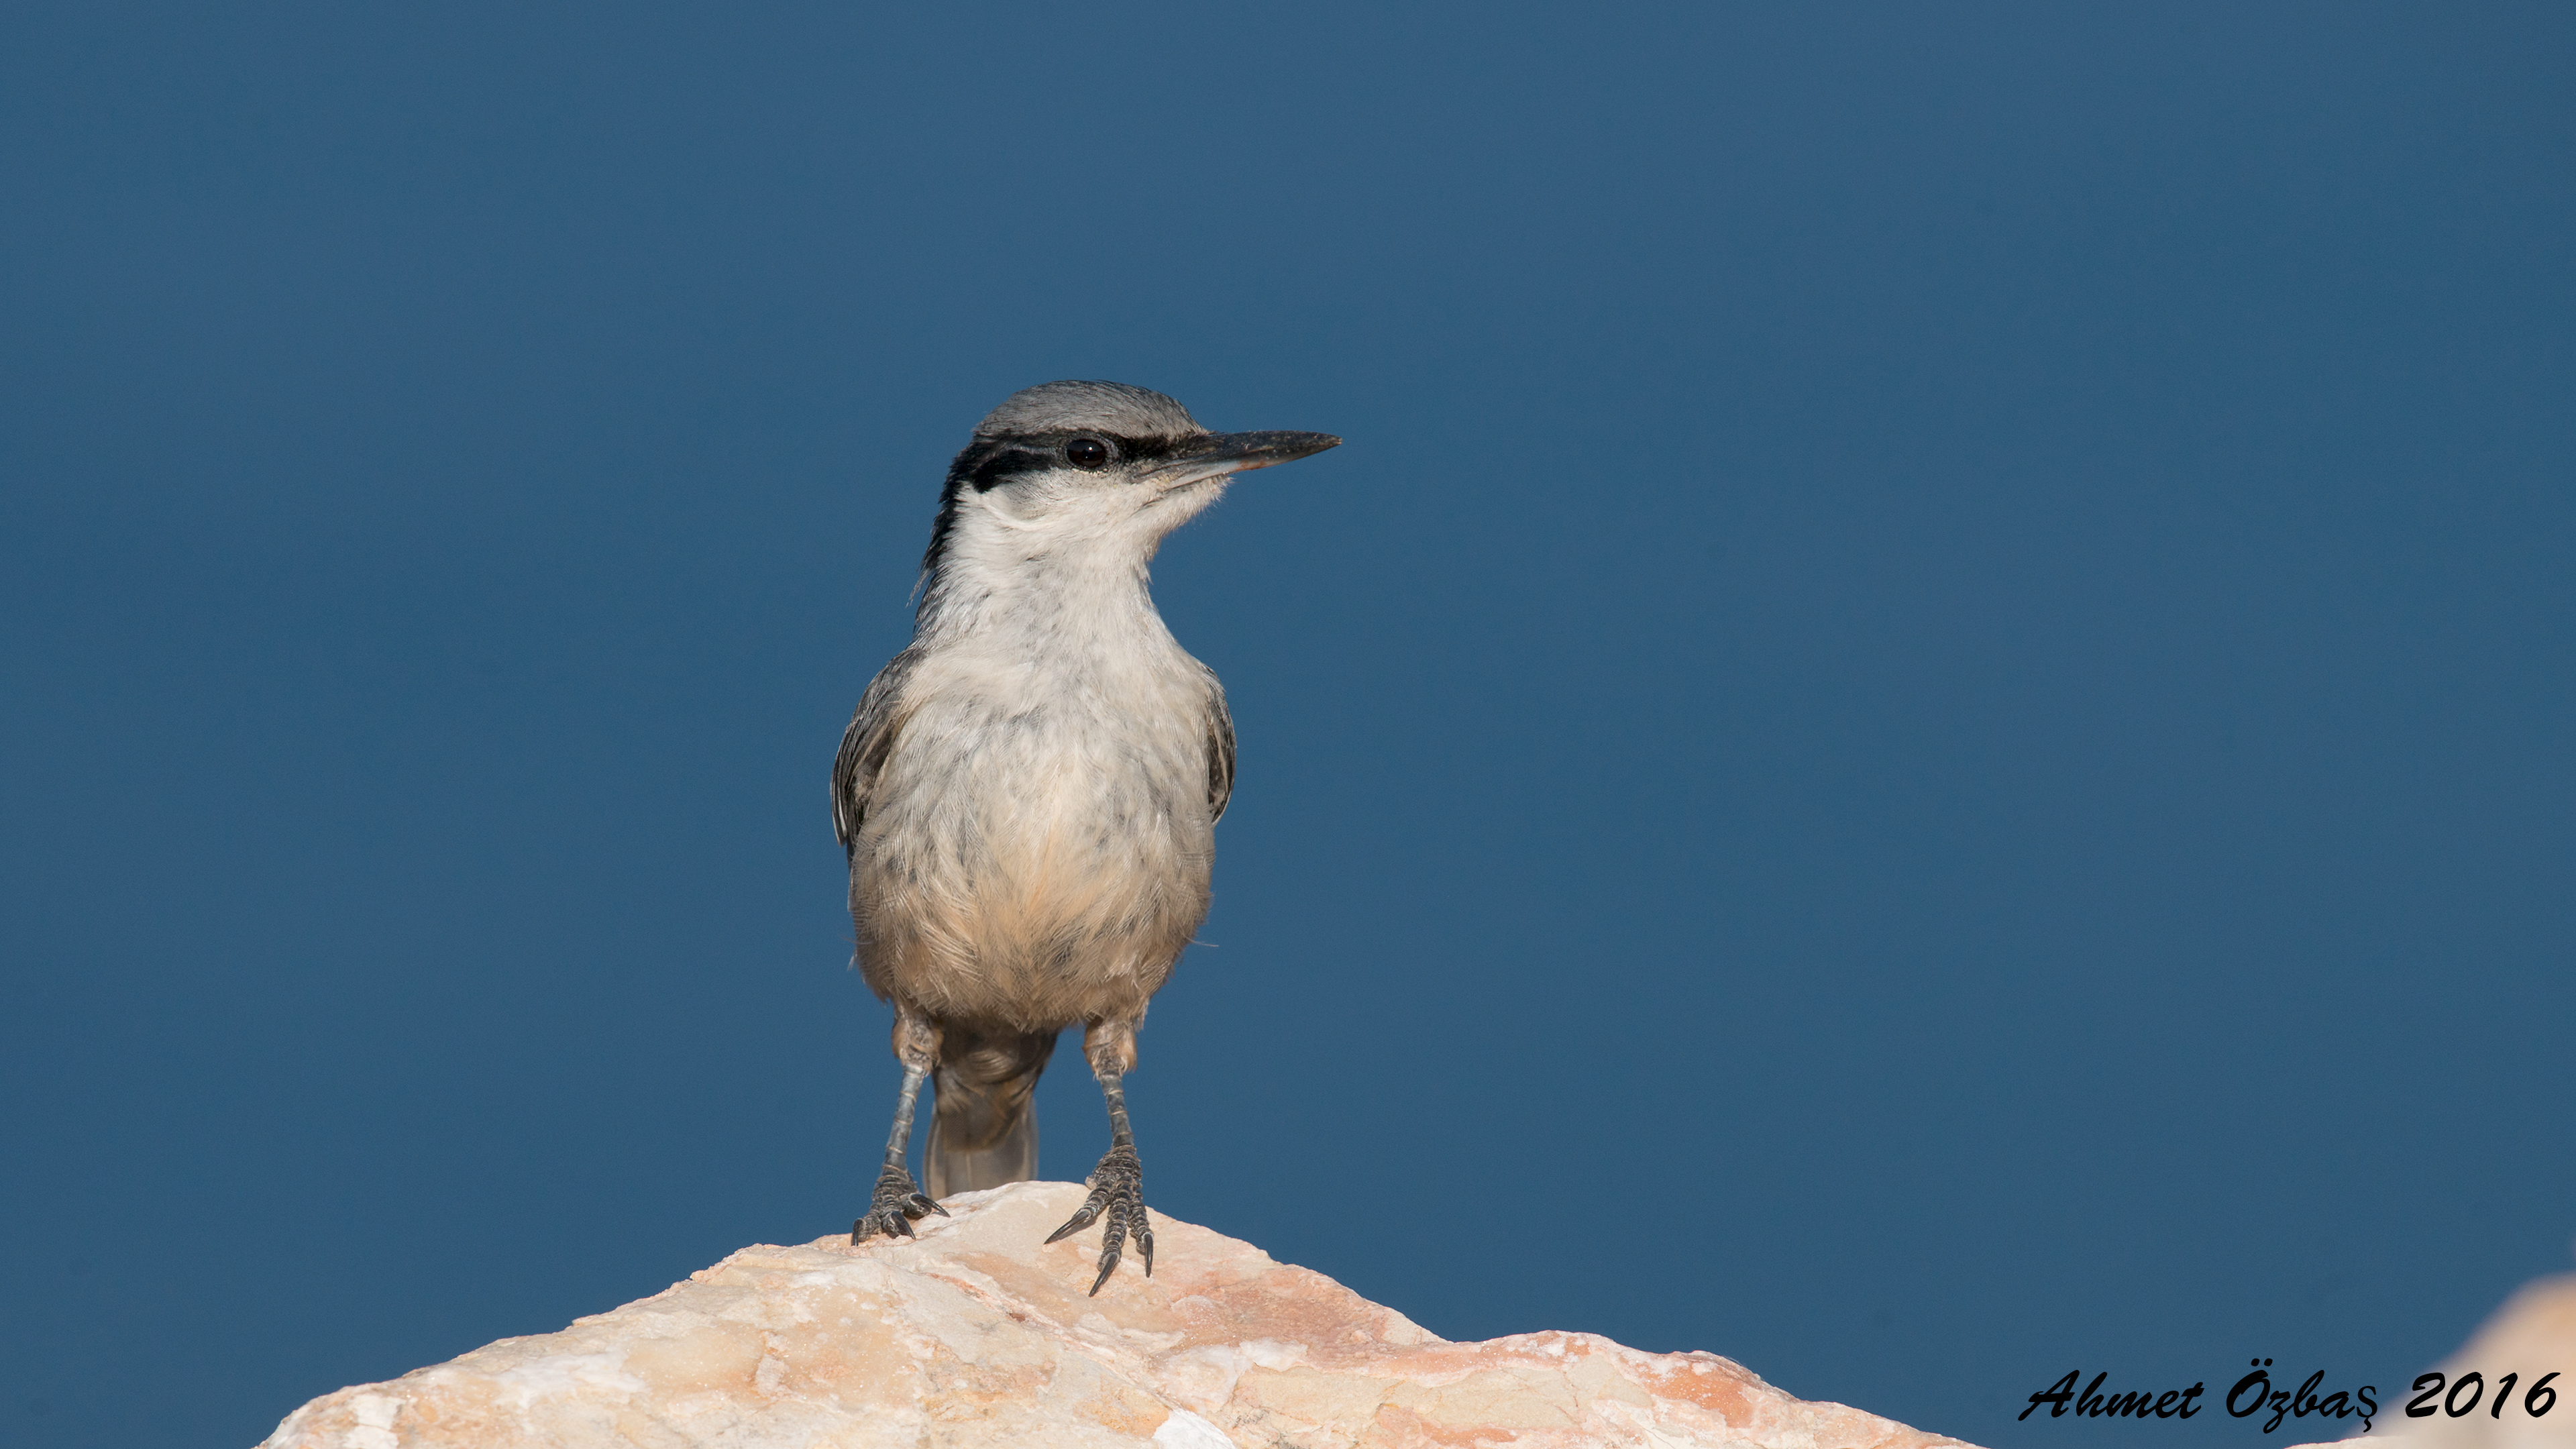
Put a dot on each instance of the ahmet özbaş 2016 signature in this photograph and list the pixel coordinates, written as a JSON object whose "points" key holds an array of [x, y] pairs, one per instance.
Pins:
{"points": [[2255, 1392]]}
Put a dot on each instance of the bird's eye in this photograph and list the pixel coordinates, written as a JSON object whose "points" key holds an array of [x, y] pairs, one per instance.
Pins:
{"points": [[1086, 452]]}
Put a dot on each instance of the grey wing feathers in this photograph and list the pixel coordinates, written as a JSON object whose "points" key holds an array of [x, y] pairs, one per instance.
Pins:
{"points": [[864, 747], [1220, 752]]}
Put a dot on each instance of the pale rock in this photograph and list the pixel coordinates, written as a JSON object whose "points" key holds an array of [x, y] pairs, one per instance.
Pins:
{"points": [[976, 1334], [2532, 1335]]}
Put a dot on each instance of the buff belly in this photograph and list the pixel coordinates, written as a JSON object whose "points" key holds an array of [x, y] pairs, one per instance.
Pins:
{"points": [[1000, 886]]}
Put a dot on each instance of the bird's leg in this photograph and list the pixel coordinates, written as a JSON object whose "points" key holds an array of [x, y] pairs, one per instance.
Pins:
{"points": [[1118, 1183], [897, 1202]]}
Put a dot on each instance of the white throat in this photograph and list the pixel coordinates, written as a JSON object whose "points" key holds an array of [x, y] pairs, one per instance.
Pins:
{"points": [[1052, 575]]}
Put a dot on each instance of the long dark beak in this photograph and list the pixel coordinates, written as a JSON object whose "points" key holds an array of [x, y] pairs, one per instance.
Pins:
{"points": [[1216, 454]]}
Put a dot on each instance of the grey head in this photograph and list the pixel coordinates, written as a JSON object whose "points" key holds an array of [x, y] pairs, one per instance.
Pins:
{"points": [[1114, 407], [1096, 468]]}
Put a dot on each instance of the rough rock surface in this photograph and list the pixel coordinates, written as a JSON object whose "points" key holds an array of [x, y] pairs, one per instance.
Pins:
{"points": [[975, 1334], [2533, 1334]]}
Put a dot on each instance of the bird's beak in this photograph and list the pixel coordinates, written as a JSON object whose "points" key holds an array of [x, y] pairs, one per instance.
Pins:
{"points": [[1214, 455]]}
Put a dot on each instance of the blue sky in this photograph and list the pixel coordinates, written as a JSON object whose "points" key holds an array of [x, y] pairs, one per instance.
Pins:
{"points": [[1921, 737]]}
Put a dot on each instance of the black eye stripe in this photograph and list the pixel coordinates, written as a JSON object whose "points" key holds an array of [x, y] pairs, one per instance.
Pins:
{"points": [[994, 468], [987, 463]]}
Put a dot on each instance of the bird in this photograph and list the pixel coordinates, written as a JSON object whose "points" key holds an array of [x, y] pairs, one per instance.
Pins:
{"points": [[1028, 793]]}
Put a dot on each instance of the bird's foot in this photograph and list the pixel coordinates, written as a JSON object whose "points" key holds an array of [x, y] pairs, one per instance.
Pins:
{"points": [[891, 1211], [1117, 1193]]}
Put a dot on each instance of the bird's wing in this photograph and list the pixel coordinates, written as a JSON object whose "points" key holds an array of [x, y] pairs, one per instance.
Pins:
{"points": [[1220, 742], [864, 747]]}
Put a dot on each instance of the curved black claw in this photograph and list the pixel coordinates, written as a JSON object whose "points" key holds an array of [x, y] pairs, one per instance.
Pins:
{"points": [[891, 1211], [1117, 1193]]}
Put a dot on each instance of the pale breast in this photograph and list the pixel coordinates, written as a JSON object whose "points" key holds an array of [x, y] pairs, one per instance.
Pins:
{"points": [[1037, 838]]}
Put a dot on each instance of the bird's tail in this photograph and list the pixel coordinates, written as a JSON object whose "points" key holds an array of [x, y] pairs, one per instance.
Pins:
{"points": [[983, 1131]]}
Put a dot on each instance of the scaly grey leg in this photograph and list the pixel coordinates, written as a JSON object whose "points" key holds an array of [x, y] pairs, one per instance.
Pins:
{"points": [[897, 1202], [1118, 1183]]}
